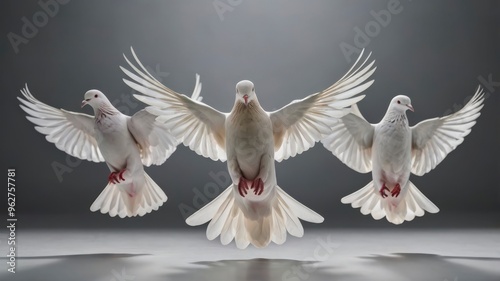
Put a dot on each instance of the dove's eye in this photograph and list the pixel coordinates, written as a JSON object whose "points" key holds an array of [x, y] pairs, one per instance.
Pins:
{"points": [[95, 96], [253, 89], [399, 102]]}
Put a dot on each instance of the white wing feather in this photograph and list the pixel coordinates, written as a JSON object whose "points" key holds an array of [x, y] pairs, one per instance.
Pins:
{"points": [[300, 124], [71, 132], [197, 125], [351, 141], [155, 142], [433, 139]]}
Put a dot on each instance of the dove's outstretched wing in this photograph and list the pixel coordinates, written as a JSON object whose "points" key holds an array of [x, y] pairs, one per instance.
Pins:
{"points": [[351, 141], [433, 139], [71, 132], [300, 124], [155, 141], [197, 125]]}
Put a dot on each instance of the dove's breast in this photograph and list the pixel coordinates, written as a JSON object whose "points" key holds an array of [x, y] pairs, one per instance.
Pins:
{"points": [[115, 141], [392, 150], [249, 136]]}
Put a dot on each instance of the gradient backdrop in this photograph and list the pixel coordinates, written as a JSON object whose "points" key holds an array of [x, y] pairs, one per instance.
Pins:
{"points": [[436, 52]]}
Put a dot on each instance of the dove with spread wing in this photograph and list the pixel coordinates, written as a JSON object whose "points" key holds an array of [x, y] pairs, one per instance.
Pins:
{"points": [[125, 143], [391, 150], [253, 209]]}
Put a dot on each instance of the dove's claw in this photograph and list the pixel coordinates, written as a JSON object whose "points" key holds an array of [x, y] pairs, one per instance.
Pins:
{"points": [[382, 191], [396, 190], [258, 186], [121, 175], [115, 177], [112, 178], [242, 187]]}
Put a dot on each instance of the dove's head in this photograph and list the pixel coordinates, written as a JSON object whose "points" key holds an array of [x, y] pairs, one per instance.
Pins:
{"points": [[95, 98], [245, 92], [401, 103]]}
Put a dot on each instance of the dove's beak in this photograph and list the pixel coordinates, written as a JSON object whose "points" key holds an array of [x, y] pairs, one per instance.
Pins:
{"points": [[410, 107], [245, 97], [85, 102]]}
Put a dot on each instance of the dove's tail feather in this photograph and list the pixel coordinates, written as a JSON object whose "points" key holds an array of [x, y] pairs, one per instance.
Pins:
{"points": [[117, 202], [231, 219], [413, 204]]}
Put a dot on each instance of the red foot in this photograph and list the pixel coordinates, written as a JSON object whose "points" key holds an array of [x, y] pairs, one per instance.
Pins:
{"points": [[258, 186], [243, 186], [396, 190], [115, 177], [382, 191], [112, 177]]}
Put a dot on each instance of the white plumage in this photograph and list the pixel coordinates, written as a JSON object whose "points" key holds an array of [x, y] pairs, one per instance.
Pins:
{"points": [[253, 209], [125, 143], [392, 149]]}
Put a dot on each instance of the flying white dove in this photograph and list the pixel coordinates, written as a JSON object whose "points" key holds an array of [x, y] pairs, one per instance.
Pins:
{"points": [[253, 209], [125, 143], [391, 150]]}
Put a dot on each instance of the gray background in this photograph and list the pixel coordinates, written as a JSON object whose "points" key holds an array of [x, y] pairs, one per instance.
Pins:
{"points": [[433, 51]]}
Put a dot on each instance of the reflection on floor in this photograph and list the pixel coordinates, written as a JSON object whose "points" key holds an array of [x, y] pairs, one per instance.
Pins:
{"points": [[443, 255]]}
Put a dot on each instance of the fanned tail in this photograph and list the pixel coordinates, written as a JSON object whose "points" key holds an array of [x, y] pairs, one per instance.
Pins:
{"points": [[414, 204], [117, 202], [231, 219]]}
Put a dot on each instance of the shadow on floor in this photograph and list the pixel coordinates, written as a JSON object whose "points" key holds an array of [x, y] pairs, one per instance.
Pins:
{"points": [[129, 267], [81, 267], [418, 266], [254, 270]]}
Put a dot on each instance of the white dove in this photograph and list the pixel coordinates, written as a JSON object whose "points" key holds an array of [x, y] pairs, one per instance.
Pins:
{"points": [[125, 143], [251, 139], [391, 150]]}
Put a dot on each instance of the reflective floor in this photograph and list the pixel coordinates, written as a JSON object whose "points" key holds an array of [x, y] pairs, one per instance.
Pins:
{"points": [[355, 254]]}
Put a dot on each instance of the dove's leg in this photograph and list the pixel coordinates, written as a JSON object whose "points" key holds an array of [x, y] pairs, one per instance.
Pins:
{"points": [[124, 174], [132, 177], [258, 186], [236, 175], [265, 167], [396, 190], [115, 177], [383, 189], [243, 186], [133, 167]]}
